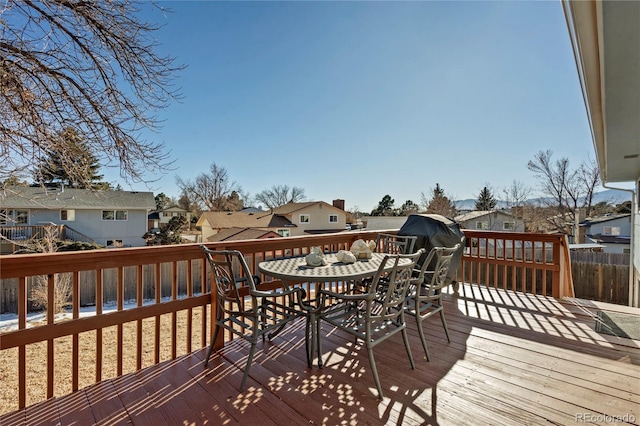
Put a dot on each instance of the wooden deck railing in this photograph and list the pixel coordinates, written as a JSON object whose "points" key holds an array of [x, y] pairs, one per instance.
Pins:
{"points": [[531, 263], [491, 259]]}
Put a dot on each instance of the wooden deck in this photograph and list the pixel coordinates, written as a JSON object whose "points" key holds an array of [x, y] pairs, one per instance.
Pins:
{"points": [[514, 358]]}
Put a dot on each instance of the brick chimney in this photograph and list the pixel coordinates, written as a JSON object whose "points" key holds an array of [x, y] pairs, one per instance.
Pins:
{"points": [[339, 204]]}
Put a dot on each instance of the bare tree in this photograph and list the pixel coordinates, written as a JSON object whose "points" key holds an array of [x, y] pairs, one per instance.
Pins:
{"points": [[553, 176], [213, 191], [279, 195], [568, 190], [516, 194], [589, 174], [88, 66]]}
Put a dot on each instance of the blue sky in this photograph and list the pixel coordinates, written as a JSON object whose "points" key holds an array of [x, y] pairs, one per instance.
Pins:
{"points": [[356, 100]]}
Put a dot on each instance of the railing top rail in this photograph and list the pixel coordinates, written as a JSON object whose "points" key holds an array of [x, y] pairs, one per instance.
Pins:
{"points": [[553, 238], [13, 266]]}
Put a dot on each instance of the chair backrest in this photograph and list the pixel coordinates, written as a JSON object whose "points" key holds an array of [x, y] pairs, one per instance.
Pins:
{"points": [[395, 244], [392, 290], [432, 279], [230, 275]]}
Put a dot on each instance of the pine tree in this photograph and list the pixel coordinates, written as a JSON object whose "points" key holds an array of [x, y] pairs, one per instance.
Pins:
{"points": [[385, 207], [485, 201], [70, 162]]}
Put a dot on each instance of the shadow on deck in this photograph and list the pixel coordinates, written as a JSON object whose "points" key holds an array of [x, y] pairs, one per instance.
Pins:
{"points": [[514, 358]]}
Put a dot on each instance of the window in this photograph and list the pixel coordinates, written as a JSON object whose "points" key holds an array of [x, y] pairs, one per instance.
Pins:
{"points": [[305, 218], [482, 225], [611, 230], [17, 217], [114, 214], [165, 214], [333, 218], [69, 215], [509, 226], [21, 217], [284, 232]]}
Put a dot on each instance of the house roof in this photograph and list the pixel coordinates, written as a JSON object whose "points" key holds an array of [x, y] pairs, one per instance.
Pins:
{"points": [[242, 234], [173, 209], [479, 213], [610, 239], [601, 219], [220, 220], [73, 198], [290, 208]]}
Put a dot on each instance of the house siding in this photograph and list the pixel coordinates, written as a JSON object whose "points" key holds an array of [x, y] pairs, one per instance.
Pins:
{"points": [[624, 223], [90, 223], [318, 219], [494, 222]]}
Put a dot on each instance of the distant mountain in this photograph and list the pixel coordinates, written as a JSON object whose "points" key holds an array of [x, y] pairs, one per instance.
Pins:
{"points": [[611, 196]]}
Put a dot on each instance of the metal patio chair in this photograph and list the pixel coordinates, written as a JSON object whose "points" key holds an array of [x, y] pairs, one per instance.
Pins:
{"points": [[395, 244], [392, 244], [244, 309], [424, 298], [373, 316]]}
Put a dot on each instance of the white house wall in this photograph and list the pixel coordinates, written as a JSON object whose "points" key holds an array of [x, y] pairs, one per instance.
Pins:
{"points": [[318, 219], [90, 223], [624, 223]]}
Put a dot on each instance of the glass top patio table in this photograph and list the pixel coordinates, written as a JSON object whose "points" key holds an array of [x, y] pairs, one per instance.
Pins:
{"points": [[295, 270]]}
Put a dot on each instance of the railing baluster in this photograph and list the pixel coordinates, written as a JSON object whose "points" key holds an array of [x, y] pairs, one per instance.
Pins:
{"points": [[174, 314], [139, 299], [120, 307], [22, 350], [50, 320], [75, 300], [158, 295], [99, 331]]}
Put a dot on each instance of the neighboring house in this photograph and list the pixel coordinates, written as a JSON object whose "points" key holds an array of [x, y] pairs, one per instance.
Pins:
{"points": [[292, 219], [490, 220], [161, 217], [612, 231], [110, 218], [313, 217], [211, 223]]}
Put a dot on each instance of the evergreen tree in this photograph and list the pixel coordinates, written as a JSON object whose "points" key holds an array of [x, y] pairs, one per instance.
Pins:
{"points": [[170, 233], [69, 161], [409, 207], [162, 201], [385, 207], [485, 201]]}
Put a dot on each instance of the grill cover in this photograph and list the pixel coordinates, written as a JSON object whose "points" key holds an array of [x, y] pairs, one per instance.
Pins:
{"points": [[434, 230]]}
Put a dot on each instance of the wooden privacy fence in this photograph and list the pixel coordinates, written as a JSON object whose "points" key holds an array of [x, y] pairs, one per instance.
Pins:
{"points": [[603, 277]]}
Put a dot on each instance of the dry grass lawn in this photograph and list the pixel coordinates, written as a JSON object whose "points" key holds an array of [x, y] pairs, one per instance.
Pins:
{"points": [[37, 358]]}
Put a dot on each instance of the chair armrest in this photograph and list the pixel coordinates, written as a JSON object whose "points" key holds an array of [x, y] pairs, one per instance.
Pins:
{"points": [[286, 292], [334, 295]]}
